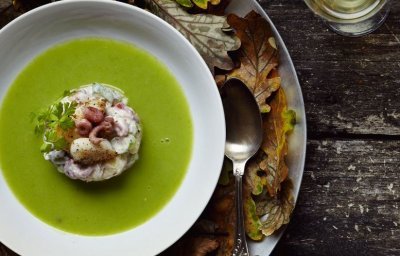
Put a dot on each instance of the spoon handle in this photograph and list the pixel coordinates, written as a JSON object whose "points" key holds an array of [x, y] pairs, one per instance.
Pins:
{"points": [[240, 247]]}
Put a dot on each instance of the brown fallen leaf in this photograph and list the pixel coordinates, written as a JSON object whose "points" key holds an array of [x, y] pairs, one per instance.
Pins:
{"points": [[221, 210], [206, 32], [252, 220], [253, 181], [192, 245], [267, 170], [186, 3], [265, 214], [275, 211], [201, 4], [215, 224], [277, 124], [217, 7], [202, 246], [258, 55]]}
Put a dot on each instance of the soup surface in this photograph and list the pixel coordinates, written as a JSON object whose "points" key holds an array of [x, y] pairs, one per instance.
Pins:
{"points": [[123, 202]]}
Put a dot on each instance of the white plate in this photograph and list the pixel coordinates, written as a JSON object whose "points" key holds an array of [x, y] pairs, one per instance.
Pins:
{"points": [[298, 139], [34, 32]]}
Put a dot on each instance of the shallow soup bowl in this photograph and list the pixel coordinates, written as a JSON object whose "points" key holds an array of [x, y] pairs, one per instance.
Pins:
{"points": [[30, 35]]}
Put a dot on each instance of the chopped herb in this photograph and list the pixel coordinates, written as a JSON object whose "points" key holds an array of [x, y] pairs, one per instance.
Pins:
{"points": [[70, 108], [67, 93], [46, 147], [51, 135], [60, 144], [49, 121], [66, 122]]}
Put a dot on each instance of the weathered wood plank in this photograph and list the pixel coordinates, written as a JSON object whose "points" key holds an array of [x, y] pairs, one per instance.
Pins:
{"points": [[349, 201], [350, 85], [351, 98]]}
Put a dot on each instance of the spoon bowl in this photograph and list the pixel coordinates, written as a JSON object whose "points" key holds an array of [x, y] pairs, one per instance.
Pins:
{"points": [[244, 136], [243, 121]]}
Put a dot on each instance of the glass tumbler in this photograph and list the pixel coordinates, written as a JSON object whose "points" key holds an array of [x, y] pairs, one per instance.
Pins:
{"points": [[351, 17]]}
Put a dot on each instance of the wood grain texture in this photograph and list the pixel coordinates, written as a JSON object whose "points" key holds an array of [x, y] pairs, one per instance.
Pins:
{"points": [[349, 201], [350, 196], [350, 85]]}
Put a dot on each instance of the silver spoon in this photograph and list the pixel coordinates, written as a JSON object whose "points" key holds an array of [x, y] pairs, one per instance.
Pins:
{"points": [[243, 139]]}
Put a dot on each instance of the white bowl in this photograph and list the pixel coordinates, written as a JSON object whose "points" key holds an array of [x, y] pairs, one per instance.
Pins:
{"points": [[36, 31]]}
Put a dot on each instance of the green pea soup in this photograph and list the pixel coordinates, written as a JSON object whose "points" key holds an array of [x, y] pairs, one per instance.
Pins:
{"points": [[120, 203]]}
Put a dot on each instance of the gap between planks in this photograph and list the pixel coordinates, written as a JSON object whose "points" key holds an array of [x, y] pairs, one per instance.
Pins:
{"points": [[351, 136]]}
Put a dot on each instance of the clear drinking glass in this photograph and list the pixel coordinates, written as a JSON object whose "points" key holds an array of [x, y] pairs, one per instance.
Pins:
{"points": [[351, 17]]}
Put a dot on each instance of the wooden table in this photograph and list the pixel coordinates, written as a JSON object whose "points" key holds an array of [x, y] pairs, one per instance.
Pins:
{"points": [[349, 203], [350, 196]]}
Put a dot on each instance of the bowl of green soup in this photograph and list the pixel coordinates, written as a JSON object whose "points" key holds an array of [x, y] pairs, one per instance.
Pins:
{"points": [[68, 44]]}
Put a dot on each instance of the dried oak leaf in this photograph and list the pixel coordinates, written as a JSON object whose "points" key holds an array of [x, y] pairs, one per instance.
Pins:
{"points": [[221, 210], [204, 226], [190, 245], [277, 124], [204, 31], [216, 7], [199, 240], [202, 246], [214, 227], [258, 55], [268, 169], [265, 214], [253, 181], [252, 221], [275, 211], [190, 3], [227, 168]]}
